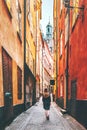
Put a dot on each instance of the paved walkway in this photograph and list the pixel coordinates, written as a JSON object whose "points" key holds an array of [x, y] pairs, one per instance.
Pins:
{"points": [[34, 119]]}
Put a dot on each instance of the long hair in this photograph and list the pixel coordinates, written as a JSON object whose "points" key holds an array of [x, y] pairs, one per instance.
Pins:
{"points": [[46, 93]]}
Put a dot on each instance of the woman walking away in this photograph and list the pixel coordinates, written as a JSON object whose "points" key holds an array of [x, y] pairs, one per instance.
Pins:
{"points": [[46, 102]]}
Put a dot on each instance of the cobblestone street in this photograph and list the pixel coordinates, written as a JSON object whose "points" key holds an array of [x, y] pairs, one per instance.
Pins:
{"points": [[34, 119]]}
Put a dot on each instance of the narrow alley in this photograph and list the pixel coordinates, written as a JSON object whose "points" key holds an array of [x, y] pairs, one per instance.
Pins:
{"points": [[43, 46], [34, 119]]}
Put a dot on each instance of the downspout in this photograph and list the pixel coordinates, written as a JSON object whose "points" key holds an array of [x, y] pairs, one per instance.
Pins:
{"points": [[42, 63], [24, 54], [56, 49], [36, 55], [67, 59]]}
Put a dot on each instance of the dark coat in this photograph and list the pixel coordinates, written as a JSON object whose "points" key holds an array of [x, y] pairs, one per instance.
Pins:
{"points": [[46, 102]]}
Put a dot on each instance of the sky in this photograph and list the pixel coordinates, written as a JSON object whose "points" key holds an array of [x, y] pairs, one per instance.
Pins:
{"points": [[47, 13]]}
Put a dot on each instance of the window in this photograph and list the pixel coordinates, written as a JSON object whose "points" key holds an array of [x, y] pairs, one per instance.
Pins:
{"points": [[48, 30], [8, 5], [28, 3], [28, 6], [30, 21], [30, 17], [61, 5], [35, 5], [66, 28], [19, 77], [75, 12], [19, 20]]}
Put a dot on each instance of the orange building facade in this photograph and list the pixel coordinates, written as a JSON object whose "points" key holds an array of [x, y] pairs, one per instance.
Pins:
{"points": [[19, 21], [11, 59], [60, 49]]}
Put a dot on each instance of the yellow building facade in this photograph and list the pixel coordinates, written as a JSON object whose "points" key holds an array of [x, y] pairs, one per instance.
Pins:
{"points": [[55, 45], [32, 36]]}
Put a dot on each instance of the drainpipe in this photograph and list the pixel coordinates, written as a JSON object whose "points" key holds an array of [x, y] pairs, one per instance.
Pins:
{"points": [[36, 53], [24, 54], [56, 49], [42, 63], [67, 58]]}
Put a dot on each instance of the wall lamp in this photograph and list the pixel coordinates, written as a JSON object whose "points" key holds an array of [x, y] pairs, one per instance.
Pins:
{"points": [[67, 5]]}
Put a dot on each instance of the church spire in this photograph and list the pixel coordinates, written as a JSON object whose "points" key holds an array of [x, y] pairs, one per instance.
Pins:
{"points": [[49, 30], [49, 38]]}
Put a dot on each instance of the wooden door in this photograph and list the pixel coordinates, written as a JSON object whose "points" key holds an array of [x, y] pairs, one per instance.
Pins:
{"points": [[7, 84], [73, 98]]}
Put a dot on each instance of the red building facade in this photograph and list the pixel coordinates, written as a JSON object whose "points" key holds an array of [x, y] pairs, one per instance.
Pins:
{"points": [[78, 64], [71, 45]]}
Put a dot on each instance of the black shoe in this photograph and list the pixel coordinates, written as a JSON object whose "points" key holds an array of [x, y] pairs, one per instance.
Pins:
{"points": [[47, 117]]}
